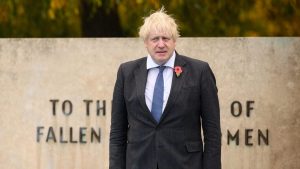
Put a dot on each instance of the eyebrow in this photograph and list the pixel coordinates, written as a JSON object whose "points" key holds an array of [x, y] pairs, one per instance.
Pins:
{"points": [[163, 37]]}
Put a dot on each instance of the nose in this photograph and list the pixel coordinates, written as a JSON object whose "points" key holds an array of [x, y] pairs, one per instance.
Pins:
{"points": [[160, 43]]}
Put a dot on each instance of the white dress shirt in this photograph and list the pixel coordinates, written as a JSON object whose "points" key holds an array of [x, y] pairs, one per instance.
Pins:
{"points": [[153, 71]]}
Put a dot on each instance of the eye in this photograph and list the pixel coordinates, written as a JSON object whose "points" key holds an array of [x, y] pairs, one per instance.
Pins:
{"points": [[165, 39], [155, 39]]}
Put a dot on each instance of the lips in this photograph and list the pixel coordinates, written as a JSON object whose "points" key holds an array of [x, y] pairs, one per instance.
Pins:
{"points": [[161, 51]]}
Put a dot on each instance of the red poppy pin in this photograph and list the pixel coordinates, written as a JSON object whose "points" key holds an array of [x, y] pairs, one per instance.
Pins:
{"points": [[178, 70]]}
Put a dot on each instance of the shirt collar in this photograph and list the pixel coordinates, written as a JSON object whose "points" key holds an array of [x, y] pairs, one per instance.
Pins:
{"points": [[170, 63]]}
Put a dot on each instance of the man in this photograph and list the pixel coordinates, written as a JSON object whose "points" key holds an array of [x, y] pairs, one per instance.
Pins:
{"points": [[160, 103]]}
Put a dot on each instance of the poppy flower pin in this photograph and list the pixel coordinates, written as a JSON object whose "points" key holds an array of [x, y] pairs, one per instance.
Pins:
{"points": [[177, 70]]}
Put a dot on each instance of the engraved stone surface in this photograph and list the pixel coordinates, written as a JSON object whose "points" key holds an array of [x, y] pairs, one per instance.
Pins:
{"points": [[259, 92]]}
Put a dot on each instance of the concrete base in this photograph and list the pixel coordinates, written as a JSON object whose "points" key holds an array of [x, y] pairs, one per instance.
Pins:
{"points": [[55, 99]]}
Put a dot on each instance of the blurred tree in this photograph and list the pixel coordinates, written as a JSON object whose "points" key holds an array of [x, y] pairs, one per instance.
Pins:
{"points": [[100, 19], [221, 17], [46, 18], [110, 18]]}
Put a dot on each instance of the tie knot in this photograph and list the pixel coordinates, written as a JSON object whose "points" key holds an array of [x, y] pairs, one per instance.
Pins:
{"points": [[161, 68]]}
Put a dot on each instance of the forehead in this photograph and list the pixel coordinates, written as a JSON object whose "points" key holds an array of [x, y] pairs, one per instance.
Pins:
{"points": [[159, 33]]}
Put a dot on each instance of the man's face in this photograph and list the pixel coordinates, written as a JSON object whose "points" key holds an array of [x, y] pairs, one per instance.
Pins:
{"points": [[160, 46]]}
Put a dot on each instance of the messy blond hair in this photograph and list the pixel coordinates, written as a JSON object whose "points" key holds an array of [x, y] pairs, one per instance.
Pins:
{"points": [[159, 21]]}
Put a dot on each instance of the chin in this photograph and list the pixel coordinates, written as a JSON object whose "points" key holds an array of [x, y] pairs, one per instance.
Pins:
{"points": [[163, 56]]}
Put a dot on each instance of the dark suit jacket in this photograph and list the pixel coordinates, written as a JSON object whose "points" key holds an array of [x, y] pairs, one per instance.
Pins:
{"points": [[137, 141]]}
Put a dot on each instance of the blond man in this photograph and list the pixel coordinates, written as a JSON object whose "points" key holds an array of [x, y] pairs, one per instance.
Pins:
{"points": [[160, 103]]}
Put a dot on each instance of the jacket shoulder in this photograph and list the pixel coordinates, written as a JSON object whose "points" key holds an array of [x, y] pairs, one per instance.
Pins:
{"points": [[127, 68], [133, 63], [195, 63]]}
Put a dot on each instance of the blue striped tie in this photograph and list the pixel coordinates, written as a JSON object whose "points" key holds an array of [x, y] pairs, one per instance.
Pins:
{"points": [[158, 95]]}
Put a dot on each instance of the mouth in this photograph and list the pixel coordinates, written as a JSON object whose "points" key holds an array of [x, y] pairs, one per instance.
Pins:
{"points": [[161, 52]]}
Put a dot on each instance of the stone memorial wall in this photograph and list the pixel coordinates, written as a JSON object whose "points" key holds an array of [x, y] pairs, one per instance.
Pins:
{"points": [[55, 99]]}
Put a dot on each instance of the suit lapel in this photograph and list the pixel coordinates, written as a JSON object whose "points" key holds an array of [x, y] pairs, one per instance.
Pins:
{"points": [[177, 83], [141, 74]]}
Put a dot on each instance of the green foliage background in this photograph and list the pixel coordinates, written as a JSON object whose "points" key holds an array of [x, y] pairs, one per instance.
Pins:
{"points": [[122, 18]]}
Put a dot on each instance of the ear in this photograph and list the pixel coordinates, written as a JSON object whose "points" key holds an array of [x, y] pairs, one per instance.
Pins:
{"points": [[145, 43]]}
